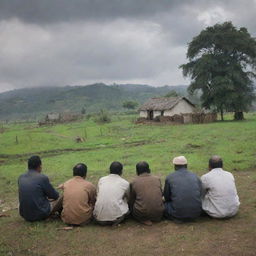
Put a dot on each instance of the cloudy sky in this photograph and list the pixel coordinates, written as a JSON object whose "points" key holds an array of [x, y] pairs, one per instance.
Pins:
{"points": [[71, 42]]}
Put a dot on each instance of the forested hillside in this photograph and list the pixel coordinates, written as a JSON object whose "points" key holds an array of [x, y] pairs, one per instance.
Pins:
{"points": [[33, 103]]}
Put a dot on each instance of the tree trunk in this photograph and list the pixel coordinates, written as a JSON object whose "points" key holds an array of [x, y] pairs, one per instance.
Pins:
{"points": [[221, 114], [239, 115]]}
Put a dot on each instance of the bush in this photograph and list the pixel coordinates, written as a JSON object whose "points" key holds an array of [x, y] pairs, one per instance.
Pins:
{"points": [[103, 117]]}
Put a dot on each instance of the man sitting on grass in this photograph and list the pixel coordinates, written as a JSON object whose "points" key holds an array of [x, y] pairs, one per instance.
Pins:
{"points": [[35, 191], [146, 196], [220, 199], [182, 193], [111, 206], [79, 197]]}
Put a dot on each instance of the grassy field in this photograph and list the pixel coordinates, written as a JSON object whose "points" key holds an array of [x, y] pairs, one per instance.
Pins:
{"points": [[124, 141]]}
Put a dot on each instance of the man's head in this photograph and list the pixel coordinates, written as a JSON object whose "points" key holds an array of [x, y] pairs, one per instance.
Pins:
{"points": [[142, 167], [116, 168], [215, 162], [35, 163], [80, 170], [180, 162]]}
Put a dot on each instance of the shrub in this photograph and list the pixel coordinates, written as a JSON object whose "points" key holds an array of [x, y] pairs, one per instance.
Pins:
{"points": [[103, 117]]}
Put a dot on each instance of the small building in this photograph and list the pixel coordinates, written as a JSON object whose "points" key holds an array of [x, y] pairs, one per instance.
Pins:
{"points": [[52, 117], [166, 106]]}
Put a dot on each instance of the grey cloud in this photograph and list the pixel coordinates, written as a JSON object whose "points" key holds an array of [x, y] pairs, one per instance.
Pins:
{"points": [[59, 42], [48, 11], [66, 53]]}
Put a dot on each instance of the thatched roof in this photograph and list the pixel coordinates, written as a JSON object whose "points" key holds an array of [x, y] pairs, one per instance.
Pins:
{"points": [[163, 103]]}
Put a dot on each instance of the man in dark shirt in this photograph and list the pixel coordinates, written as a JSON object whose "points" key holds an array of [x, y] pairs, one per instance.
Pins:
{"points": [[182, 192], [35, 191], [146, 196]]}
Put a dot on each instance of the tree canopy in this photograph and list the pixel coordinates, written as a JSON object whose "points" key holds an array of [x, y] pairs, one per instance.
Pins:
{"points": [[130, 104], [222, 64]]}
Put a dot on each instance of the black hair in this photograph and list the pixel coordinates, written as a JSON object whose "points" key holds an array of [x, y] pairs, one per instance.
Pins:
{"points": [[180, 166], [34, 162], [116, 168], [215, 162], [80, 170], [142, 167]]}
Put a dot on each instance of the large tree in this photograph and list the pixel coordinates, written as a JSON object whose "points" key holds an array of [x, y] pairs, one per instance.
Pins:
{"points": [[222, 64]]}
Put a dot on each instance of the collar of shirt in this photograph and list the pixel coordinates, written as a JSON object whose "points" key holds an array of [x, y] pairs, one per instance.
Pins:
{"points": [[32, 170], [78, 177], [181, 170], [216, 170], [114, 175]]}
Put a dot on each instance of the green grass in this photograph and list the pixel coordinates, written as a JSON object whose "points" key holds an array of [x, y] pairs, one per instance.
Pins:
{"points": [[124, 141]]}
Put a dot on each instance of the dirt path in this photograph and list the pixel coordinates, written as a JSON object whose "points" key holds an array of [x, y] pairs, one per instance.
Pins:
{"points": [[54, 152]]}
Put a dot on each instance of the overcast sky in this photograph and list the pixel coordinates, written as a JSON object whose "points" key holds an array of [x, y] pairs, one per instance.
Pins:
{"points": [[77, 42]]}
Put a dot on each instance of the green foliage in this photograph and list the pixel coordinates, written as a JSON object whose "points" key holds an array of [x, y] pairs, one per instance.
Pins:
{"points": [[222, 65], [103, 117], [35, 103], [171, 93], [130, 104]]}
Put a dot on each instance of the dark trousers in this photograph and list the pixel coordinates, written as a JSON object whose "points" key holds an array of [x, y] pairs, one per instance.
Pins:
{"points": [[114, 222]]}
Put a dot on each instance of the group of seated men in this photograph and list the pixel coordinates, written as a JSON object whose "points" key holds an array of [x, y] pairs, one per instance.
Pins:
{"points": [[185, 196]]}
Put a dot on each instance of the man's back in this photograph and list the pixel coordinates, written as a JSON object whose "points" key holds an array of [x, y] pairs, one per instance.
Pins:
{"points": [[78, 200], [182, 193], [220, 199], [113, 193], [34, 191], [146, 196]]}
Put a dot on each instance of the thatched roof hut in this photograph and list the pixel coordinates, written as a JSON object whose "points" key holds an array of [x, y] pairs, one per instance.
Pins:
{"points": [[166, 106]]}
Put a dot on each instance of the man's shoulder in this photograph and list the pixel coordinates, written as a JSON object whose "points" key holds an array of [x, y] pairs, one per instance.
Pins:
{"points": [[171, 175], [205, 176], [153, 177], [68, 181], [135, 180], [192, 174], [23, 175], [107, 177], [89, 184], [35, 175], [124, 181], [228, 174], [42, 177]]}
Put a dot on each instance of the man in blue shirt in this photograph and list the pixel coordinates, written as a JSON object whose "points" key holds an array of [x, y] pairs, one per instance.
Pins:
{"points": [[35, 190], [182, 192]]}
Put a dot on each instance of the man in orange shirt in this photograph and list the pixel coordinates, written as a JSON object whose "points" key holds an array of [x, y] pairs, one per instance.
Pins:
{"points": [[79, 196]]}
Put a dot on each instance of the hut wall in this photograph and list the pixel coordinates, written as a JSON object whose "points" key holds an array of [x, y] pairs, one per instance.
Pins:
{"points": [[52, 117], [181, 108], [156, 113], [143, 114]]}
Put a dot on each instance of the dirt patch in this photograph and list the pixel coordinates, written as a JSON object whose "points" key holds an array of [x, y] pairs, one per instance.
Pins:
{"points": [[55, 152]]}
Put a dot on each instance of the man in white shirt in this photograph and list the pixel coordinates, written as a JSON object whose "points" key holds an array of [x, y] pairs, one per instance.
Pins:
{"points": [[111, 206], [220, 199]]}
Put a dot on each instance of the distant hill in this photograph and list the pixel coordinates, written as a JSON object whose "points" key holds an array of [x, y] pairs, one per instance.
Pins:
{"points": [[33, 103]]}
